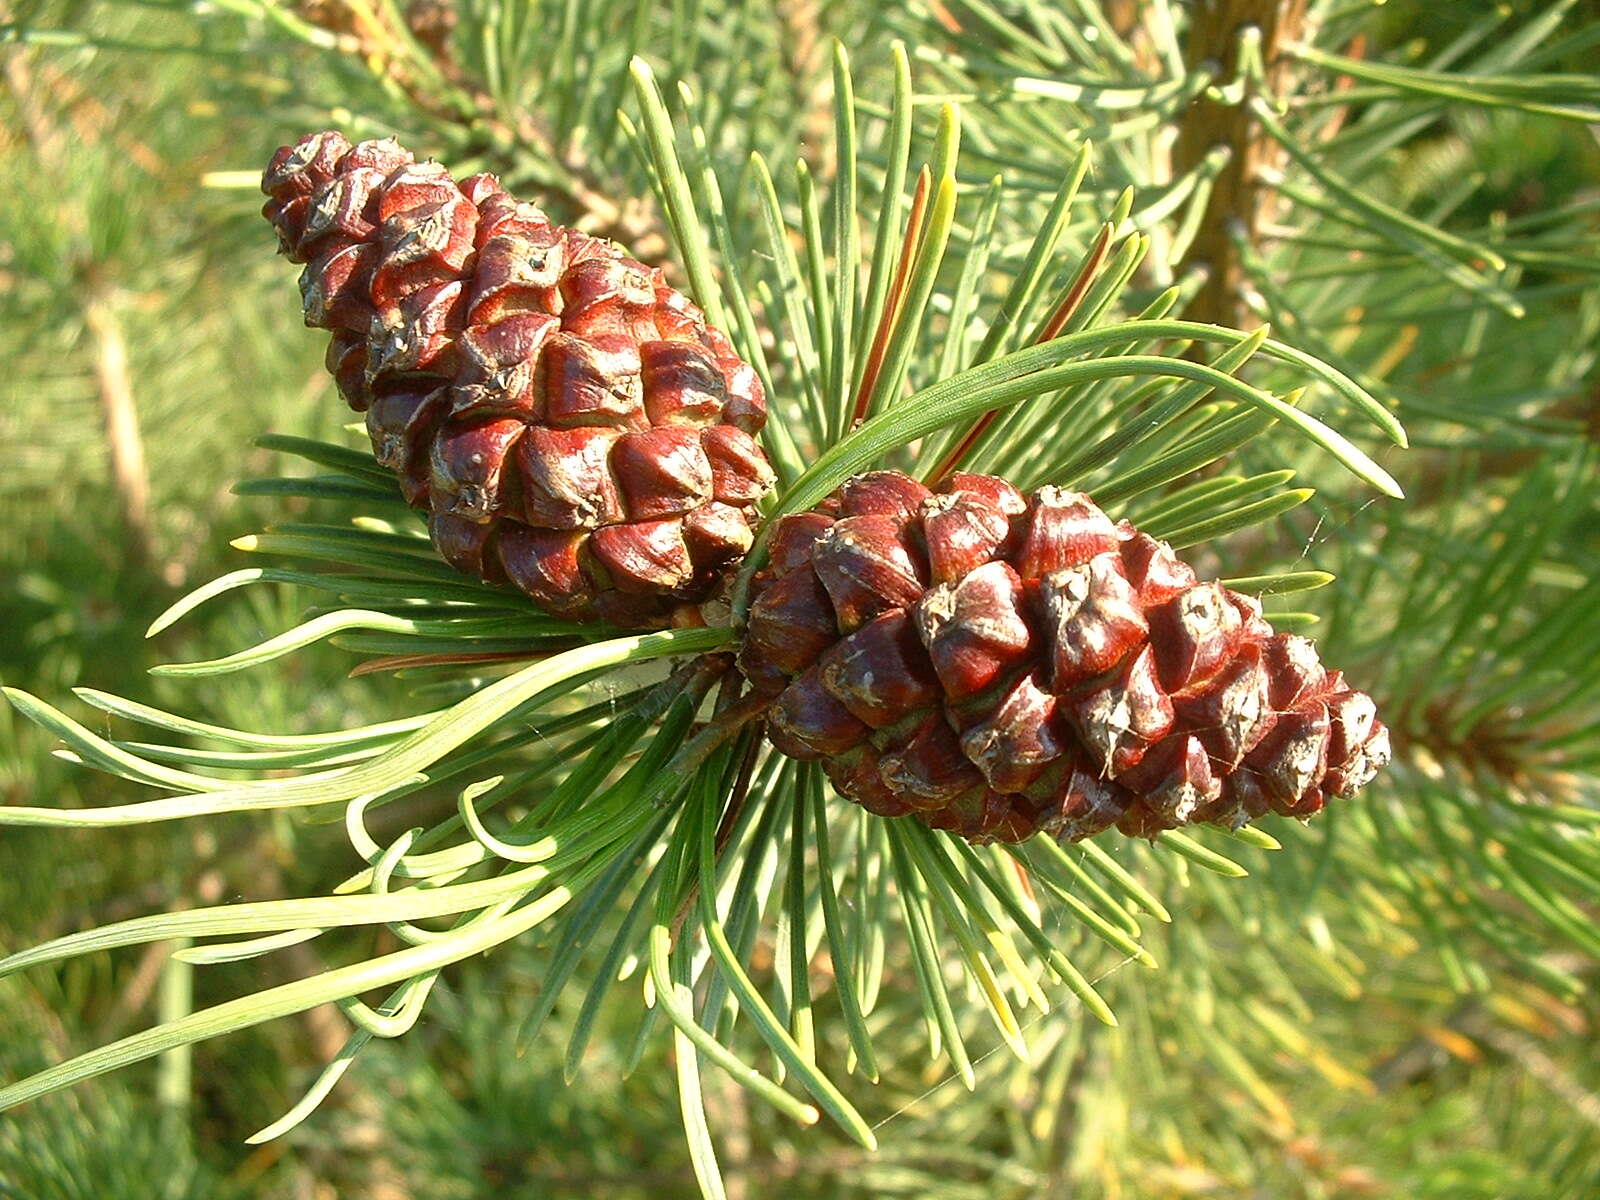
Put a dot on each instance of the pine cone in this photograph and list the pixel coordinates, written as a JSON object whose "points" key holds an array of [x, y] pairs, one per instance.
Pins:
{"points": [[1000, 666], [571, 424]]}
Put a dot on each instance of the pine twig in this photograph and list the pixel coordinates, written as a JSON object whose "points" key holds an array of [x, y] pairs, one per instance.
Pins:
{"points": [[1239, 202], [803, 49], [124, 444], [427, 33]]}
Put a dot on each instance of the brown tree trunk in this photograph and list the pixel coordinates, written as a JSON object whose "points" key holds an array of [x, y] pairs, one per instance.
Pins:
{"points": [[1239, 202]]}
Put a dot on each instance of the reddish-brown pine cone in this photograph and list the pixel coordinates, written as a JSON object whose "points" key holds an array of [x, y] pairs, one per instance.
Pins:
{"points": [[570, 422], [1000, 665]]}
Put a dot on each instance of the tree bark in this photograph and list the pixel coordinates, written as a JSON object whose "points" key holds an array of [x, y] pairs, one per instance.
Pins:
{"points": [[1239, 203]]}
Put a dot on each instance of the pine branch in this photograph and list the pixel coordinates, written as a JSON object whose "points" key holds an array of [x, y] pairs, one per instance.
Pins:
{"points": [[1240, 44], [422, 57], [123, 441]]}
